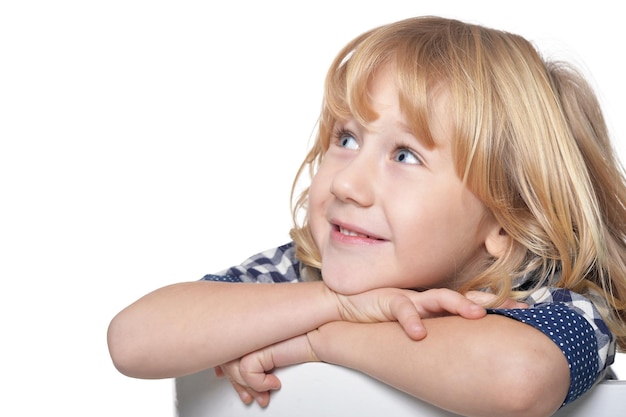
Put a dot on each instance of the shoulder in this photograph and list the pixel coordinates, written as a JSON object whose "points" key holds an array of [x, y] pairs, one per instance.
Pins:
{"points": [[575, 325], [581, 306]]}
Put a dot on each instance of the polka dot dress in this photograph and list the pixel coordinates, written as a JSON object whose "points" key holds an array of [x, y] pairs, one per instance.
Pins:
{"points": [[220, 278], [572, 333]]}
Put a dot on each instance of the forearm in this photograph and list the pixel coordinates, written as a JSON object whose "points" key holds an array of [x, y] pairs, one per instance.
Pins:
{"points": [[183, 328], [492, 366]]}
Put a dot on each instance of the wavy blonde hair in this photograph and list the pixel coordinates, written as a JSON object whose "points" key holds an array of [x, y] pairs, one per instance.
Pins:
{"points": [[530, 141]]}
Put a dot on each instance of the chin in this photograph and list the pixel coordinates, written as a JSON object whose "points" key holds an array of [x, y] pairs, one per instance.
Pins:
{"points": [[346, 289], [343, 286]]}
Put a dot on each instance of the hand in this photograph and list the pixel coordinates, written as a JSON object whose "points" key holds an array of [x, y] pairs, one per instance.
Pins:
{"points": [[231, 370], [407, 307], [246, 394], [251, 375]]}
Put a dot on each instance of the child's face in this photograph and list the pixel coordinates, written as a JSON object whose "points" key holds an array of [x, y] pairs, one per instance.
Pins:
{"points": [[385, 210]]}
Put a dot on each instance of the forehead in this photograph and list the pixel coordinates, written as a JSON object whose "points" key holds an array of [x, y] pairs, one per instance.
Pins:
{"points": [[426, 113], [362, 94]]}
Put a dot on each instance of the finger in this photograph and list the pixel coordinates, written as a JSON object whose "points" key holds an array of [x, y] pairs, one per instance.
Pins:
{"points": [[245, 396], [262, 398], [403, 310], [435, 302], [219, 372], [487, 299], [255, 371], [480, 297], [262, 382]]}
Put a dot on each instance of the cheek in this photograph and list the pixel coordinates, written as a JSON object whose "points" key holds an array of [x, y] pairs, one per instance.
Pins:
{"points": [[314, 198], [315, 206], [449, 220], [319, 191]]}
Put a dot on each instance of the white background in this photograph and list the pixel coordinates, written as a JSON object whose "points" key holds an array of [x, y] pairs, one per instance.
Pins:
{"points": [[149, 142]]}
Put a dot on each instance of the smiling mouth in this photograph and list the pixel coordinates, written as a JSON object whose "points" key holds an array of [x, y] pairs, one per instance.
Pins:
{"points": [[352, 233], [347, 232]]}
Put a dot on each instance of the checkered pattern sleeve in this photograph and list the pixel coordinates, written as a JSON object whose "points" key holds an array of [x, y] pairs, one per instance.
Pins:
{"points": [[273, 265], [574, 324]]}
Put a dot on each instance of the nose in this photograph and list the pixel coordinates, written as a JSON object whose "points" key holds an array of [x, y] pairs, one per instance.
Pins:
{"points": [[355, 182]]}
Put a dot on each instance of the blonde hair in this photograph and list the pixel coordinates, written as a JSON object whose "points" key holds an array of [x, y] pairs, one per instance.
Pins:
{"points": [[530, 141]]}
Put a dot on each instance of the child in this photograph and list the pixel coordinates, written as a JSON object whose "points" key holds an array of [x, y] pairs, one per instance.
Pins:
{"points": [[450, 160]]}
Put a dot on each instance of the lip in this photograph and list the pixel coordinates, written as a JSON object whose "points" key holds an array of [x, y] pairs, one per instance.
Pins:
{"points": [[355, 234]]}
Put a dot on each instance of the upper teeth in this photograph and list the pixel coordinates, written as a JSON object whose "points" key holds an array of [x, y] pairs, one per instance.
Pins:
{"points": [[350, 232]]}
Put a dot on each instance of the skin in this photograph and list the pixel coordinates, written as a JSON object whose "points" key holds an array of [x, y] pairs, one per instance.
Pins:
{"points": [[406, 222], [187, 327], [459, 376], [385, 210]]}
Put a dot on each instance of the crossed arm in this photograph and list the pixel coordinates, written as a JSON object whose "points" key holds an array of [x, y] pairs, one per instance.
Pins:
{"points": [[435, 345], [515, 373]]}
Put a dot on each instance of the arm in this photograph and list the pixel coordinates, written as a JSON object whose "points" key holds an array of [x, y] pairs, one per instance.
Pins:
{"points": [[252, 377], [184, 328], [492, 366], [187, 327]]}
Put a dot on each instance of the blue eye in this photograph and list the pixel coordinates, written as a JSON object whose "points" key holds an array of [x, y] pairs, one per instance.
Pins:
{"points": [[405, 156], [347, 140]]}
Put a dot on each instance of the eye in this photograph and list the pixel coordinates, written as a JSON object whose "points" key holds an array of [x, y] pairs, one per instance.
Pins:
{"points": [[345, 139], [407, 156]]}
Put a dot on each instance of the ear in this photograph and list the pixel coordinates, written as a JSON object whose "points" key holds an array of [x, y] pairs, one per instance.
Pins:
{"points": [[497, 241]]}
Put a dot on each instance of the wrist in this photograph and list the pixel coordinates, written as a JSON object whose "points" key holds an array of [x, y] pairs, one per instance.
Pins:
{"points": [[323, 341], [331, 304]]}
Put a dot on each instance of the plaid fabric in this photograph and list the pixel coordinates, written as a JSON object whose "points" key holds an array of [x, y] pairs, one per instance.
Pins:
{"points": [[568, 319], [273, 265]]}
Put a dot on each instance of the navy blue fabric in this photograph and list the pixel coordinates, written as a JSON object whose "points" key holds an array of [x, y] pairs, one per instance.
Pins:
{"points": [[572, 333]]}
